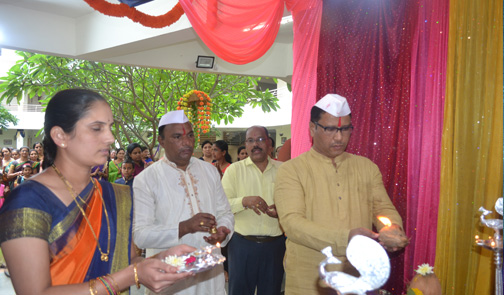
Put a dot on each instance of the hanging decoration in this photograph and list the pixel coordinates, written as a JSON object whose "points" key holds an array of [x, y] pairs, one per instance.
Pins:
{"points": [[123, 10], [197, 106]]}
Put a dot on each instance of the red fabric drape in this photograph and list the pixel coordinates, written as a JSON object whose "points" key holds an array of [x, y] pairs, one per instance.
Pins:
{"points": [[428, 83], [238, 31], [364, 55]]}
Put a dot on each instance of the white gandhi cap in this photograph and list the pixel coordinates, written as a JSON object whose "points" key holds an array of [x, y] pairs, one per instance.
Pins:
{"points": [[334, 104], [173, 117]]}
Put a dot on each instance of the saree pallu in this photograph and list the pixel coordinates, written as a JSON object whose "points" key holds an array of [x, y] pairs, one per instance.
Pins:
{"points": [[36, 167], [114, 171], [34, 211], [18, 166]]}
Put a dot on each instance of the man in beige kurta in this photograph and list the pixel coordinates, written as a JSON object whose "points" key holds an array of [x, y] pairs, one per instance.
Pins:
{"points": [[325, 196]]}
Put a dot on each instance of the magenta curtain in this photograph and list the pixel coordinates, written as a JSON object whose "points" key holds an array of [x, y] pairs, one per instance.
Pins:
{"points": [[365, 55], [238, 31], [428, 80]]}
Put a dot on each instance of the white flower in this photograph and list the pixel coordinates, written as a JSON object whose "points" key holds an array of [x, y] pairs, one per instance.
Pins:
{"points": [[174, 260], [424, 269]]}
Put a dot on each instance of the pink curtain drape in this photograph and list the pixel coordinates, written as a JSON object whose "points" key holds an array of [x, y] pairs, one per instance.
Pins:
{"points": [[241, 31], [428, 84], [364, 55], [238, 31], [307, 15]]}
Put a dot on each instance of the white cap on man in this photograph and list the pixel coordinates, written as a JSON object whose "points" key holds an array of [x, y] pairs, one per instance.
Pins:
{"points": [[173, 117], [334, 104]]}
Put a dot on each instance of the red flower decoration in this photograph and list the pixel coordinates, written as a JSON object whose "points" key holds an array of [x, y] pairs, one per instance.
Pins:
{"points": [[123, 10], [190, 260]]}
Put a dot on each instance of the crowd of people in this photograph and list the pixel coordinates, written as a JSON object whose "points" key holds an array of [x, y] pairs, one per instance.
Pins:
{"points": [[77, 216]]}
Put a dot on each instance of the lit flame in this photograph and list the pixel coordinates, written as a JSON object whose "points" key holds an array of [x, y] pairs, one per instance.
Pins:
{"points": [[217, 245], [476, 237], [492, 244], [385, 220]]}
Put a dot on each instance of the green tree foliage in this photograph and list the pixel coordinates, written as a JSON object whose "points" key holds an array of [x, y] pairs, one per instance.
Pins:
{"points": [[6, 118], [138, 96]]}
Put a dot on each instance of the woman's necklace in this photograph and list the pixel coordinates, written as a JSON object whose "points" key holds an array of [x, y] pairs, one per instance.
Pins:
{"points": [[104, 256]]}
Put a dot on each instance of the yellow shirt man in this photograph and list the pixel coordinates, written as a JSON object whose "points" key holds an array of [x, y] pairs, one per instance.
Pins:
{"points": [[257, 248], [244, 179], [326, 196]]}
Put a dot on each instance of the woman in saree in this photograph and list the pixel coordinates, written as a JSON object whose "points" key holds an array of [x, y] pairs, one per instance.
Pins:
{"points": [[146, 156], [206, 149], [16, 169], [134, 153], [15, 154], [220, 153], [115, 165], [7, 161], [40, 150], [34, 157], [66, 233]]}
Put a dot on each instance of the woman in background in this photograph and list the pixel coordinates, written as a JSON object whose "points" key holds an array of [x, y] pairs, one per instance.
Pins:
{"points": [[134, 152], [16, 168], [15, 154], [115, 165], [3, 184], [221, 156], [146, 156], [242, 153], [40, 150], [72, 234], [206, 148], [7, 160], [6, 163], [113, 154], [34, 157]]}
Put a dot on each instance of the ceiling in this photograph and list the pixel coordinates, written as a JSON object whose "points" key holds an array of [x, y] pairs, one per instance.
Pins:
{"points": [[73, 29]]}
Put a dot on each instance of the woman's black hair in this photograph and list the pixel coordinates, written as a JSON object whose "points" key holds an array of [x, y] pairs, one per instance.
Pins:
{"points": [[130, 149], [35, 144], [223, 146], [205, 142], [117, 152], [143, 148], [25, 147], [65, 109]]}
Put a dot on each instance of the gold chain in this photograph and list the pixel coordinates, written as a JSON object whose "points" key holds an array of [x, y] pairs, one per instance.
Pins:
{"points": [[104, 256]]}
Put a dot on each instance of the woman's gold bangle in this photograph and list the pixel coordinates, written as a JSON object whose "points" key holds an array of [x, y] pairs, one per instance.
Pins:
{"points": [[137, 281], [92, 287]]}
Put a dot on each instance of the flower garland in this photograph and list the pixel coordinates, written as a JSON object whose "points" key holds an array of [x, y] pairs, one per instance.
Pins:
{"points": [[197, 106], [121, 10]]}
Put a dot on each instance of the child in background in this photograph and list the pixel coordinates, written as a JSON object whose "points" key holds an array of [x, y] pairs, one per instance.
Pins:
{"points": [[127, 173], [26, 173]]}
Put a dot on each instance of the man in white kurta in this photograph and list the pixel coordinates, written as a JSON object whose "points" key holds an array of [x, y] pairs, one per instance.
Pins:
{"points": [[178, 200]]}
